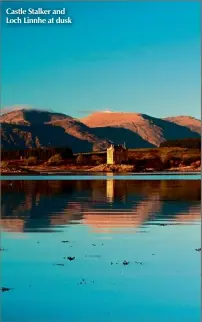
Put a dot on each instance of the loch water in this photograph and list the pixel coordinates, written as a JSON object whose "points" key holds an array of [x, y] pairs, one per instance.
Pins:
{"points": [[101, 249]]}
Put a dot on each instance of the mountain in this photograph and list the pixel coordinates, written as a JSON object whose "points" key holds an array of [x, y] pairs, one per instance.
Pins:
{"points": [[151, 129], [23, 128], [191, 122], [30, 117], [34, 128]]}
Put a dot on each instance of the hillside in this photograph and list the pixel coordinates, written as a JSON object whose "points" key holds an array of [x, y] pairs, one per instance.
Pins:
{"points": [[31, 116], [150, 129], [33, 128], [192, 123], [25, 128]]}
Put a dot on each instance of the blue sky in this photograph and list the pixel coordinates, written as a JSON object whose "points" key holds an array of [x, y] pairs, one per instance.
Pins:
{"points": [[126, 56]]}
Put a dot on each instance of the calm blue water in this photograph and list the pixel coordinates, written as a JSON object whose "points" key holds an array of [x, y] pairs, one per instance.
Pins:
{"points": [[100, 176], [152, 224]]}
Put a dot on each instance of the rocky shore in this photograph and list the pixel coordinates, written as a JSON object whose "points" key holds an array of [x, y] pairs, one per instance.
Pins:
{"points": [[112, 168], [45, 169]]}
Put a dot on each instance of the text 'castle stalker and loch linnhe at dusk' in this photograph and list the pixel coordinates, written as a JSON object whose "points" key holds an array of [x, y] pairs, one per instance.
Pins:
{"points": [[37, 16]]}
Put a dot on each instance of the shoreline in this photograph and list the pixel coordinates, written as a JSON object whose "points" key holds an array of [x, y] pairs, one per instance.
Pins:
{"points": [[65, 173], [98, 170]]}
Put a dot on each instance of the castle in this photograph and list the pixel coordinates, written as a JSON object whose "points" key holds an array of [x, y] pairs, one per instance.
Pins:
{"points": [[117, 154]]}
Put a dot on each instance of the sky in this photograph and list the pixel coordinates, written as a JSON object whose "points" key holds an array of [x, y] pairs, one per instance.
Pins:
{"points": [[141, 57]]}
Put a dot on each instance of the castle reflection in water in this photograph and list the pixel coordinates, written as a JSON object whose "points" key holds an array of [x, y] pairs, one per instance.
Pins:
{"points": [[103, 205]]}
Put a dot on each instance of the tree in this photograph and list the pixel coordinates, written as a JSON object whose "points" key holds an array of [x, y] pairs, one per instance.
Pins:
{"points": [[55, 159], [31, 161], [189, 143], [4, 164], [81, 159]]}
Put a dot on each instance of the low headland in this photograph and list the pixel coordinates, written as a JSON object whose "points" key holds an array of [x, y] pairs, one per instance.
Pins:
{"points": [[148, 160]]}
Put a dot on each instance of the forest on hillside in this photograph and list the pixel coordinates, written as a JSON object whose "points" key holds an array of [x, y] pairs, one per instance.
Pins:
{"points": [[38, 153], [184, 143]]}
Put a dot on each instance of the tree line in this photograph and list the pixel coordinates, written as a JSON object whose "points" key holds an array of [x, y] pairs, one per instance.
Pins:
{"points": [[39, 153], [184, 143]]}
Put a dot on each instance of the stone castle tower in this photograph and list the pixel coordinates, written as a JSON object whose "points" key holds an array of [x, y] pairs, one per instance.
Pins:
{"points": [[117, 154]]}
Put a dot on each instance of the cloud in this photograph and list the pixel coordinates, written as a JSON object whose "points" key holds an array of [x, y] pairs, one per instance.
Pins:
{"points": [[95, 111], [12, 108]]}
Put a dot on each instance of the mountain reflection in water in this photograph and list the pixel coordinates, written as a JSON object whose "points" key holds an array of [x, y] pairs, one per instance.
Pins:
{"points": [[102, 205], [97, 250]]}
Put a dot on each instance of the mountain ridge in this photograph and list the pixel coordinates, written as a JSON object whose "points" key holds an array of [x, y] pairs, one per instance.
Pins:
{"points": [[193, 123], [23, 128], [152, 129]]}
